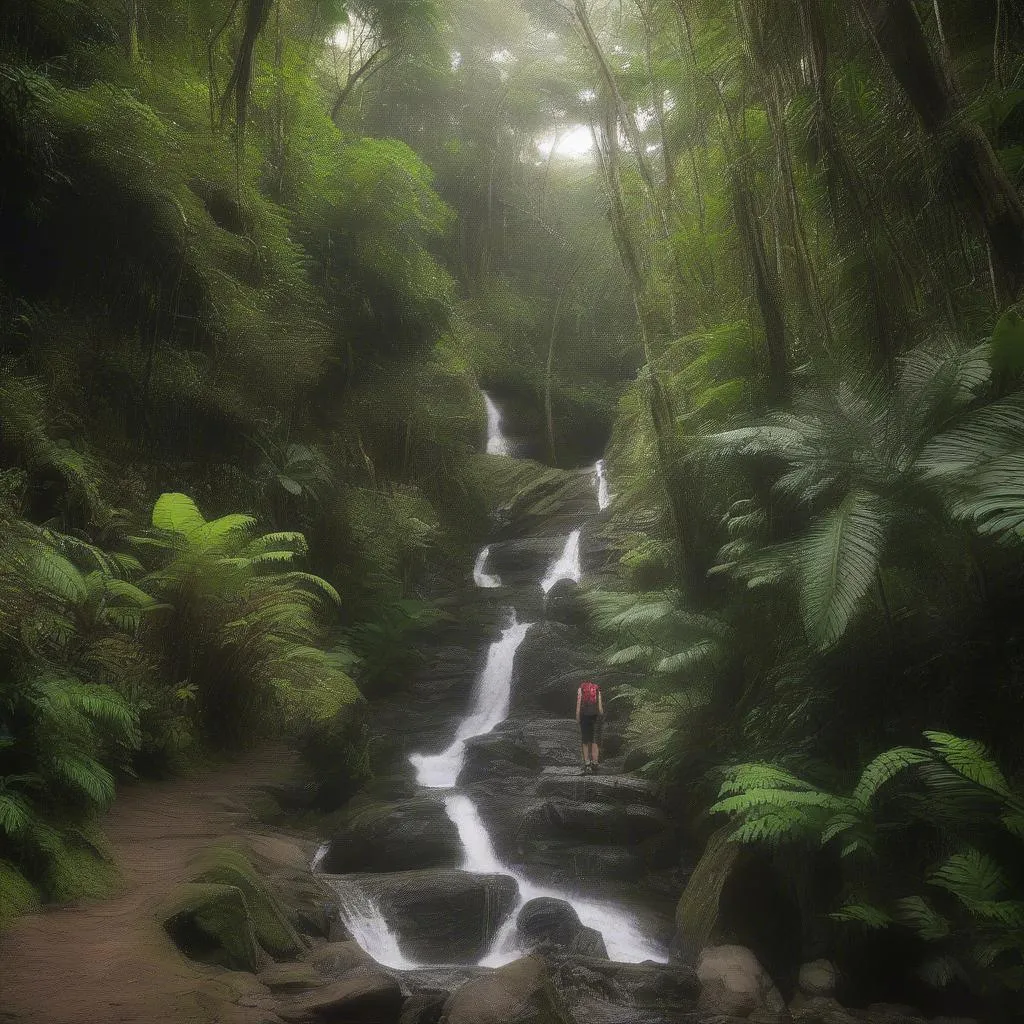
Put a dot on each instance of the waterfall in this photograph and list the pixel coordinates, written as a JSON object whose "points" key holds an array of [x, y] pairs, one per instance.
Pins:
{"points": [[497, 443], [566, 566], [603, 498], [490, 706], [481, 578], [623, 940], [366, 924], [318, 857]]}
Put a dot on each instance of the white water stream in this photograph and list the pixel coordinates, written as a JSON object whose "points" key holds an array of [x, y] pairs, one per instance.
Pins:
{"points": [[366, 924], [603, 497], [497, 443], [566, 566], [490, 706], [481, 578]]}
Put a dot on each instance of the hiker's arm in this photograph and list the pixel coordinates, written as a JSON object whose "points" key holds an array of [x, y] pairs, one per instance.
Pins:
{"points": [[579, 700], [600, 703]]}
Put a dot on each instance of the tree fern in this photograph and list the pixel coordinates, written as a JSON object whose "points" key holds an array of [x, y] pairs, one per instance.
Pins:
{"points": [[971, 759], [919, 914], [883, 769], [863, 913], [973, 877], [86, 775], [838, 564]]}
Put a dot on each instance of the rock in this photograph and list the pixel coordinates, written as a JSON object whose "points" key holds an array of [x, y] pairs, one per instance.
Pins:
{"points": [[735, 984], [235, 988], [226, 864], [290, 977], [525, 559], [338, 958], [399, 836], [546, 920], [422, 1008], [500, 754], [358, 998], [519, 993], [818, 978], [210, 922], [894, 1013], [601, 789], [820, 1010], [549, 651], [631, 823], [565, 604], [442, 916]]}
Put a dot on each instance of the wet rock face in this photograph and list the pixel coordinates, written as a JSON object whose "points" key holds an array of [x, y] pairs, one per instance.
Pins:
{"points": [[548, 921], [401, 836], [733, 983], [358, 998], [442, 916], [506, 754], [519, 993]]}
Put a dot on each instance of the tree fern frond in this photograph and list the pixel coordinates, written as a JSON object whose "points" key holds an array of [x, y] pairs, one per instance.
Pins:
{"points": [[772, 827], [885, 767], [630, 655], [316, 583], [863, 913], [85, 775], [692, 658], [920, 915], [839, 560], [177, 513], [760, 775], [973, 877], [971, 759], [15, 813]]}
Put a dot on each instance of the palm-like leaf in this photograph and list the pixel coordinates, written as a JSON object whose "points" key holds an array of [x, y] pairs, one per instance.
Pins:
{"points": [[839, 561]]}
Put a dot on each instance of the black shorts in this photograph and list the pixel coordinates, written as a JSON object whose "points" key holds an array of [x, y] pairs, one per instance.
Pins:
{"points": [[588, 728]]}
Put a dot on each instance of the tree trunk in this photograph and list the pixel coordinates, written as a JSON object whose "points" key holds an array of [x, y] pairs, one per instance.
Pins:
{"points": [[132, 10], [970, 160]]}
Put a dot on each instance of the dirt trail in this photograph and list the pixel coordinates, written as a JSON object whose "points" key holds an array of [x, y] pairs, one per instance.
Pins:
{"points": [[110, 961]]}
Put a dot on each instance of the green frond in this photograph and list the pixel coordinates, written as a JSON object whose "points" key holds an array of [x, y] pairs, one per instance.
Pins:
{"points": [[971, 759], [643, 614], [57, 574], [630, 655], [885, 767], [691, 659], [15, 814], [760, 775], [919, 914], [863, 913], [84, 774], [973, 877], [177, 513], [272, 543], [839, 562], [316, 583], [753, 800], [17, 894], [773, 827]]}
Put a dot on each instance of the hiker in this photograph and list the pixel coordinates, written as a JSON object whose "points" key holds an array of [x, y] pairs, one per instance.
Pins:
{"points": [[589, 712]]}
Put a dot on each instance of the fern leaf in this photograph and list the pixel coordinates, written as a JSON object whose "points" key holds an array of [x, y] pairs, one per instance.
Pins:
{"points": [[316, 583], [177, 513], [971, 759], [973, 877], [690, 659], [884, 768], [15, 814], [863, 913], [772, 827], [85, 775], [630, 655], [760, 775], [840, 557], [920, 915]]}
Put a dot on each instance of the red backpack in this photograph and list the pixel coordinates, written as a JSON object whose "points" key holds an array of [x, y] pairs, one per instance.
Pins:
{"points": [[588, 694]]}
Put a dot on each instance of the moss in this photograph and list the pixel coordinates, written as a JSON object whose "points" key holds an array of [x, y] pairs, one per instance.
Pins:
{"points": [[226, 865], [210, 922]]}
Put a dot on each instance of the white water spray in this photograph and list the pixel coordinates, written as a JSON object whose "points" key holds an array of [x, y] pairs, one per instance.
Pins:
{"points": [[497, 443], [481, 578], [490, 706], [318, 857], [366, 924], [566, 566], [603, 498], [623, 940]]}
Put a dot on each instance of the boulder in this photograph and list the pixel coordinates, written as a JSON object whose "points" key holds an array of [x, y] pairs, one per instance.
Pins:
{"points": [[503, 754], [336, 959], [290, 977], [565, 604], [399, 836], [227, 864], [550, 650], [549, 921], [422, 1008], [818, 978], [631, 823], [820, 1010], [210, 922], [733, 983], [361, 997], [525, 559], [601, 789], [442, 916], [519, 993]]}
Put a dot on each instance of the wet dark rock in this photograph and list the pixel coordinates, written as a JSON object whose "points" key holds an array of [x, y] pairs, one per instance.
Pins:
{"points": [[610, 789], [612, 823], [441, 916], [337, 959], [565, 604], [506, 754], [399, 836], [519, 993], [733, 983], [422, 1009], [358, 998], [525, 560], [549, 650], [548, 921]]}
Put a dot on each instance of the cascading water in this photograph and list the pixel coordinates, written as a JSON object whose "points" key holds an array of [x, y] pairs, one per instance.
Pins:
{"points": [[318, 857], [490, 706], [366, 924], [566, 566], [603, 497], [621, 937], [481, 578], [497, 443]]}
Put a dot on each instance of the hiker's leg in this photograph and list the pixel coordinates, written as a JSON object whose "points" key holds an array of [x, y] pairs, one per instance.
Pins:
{"points": [[586, 756], [594, 752]]}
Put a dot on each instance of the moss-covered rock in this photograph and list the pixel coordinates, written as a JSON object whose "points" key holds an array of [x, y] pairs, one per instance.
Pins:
{"points": [[210, 922], [226, 864]]}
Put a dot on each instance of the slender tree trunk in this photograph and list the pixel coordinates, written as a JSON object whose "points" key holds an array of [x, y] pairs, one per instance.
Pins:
{"points": [[970, 160], [132, 10]]}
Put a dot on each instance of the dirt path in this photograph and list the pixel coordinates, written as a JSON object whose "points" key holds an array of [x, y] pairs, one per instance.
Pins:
{"points": [[110, 961]]}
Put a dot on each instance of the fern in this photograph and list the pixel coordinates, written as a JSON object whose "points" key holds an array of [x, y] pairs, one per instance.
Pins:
{"points": [[919, 914], [631, 654], [973, 877], [863, 913], [883, 769], [971, 760]]}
